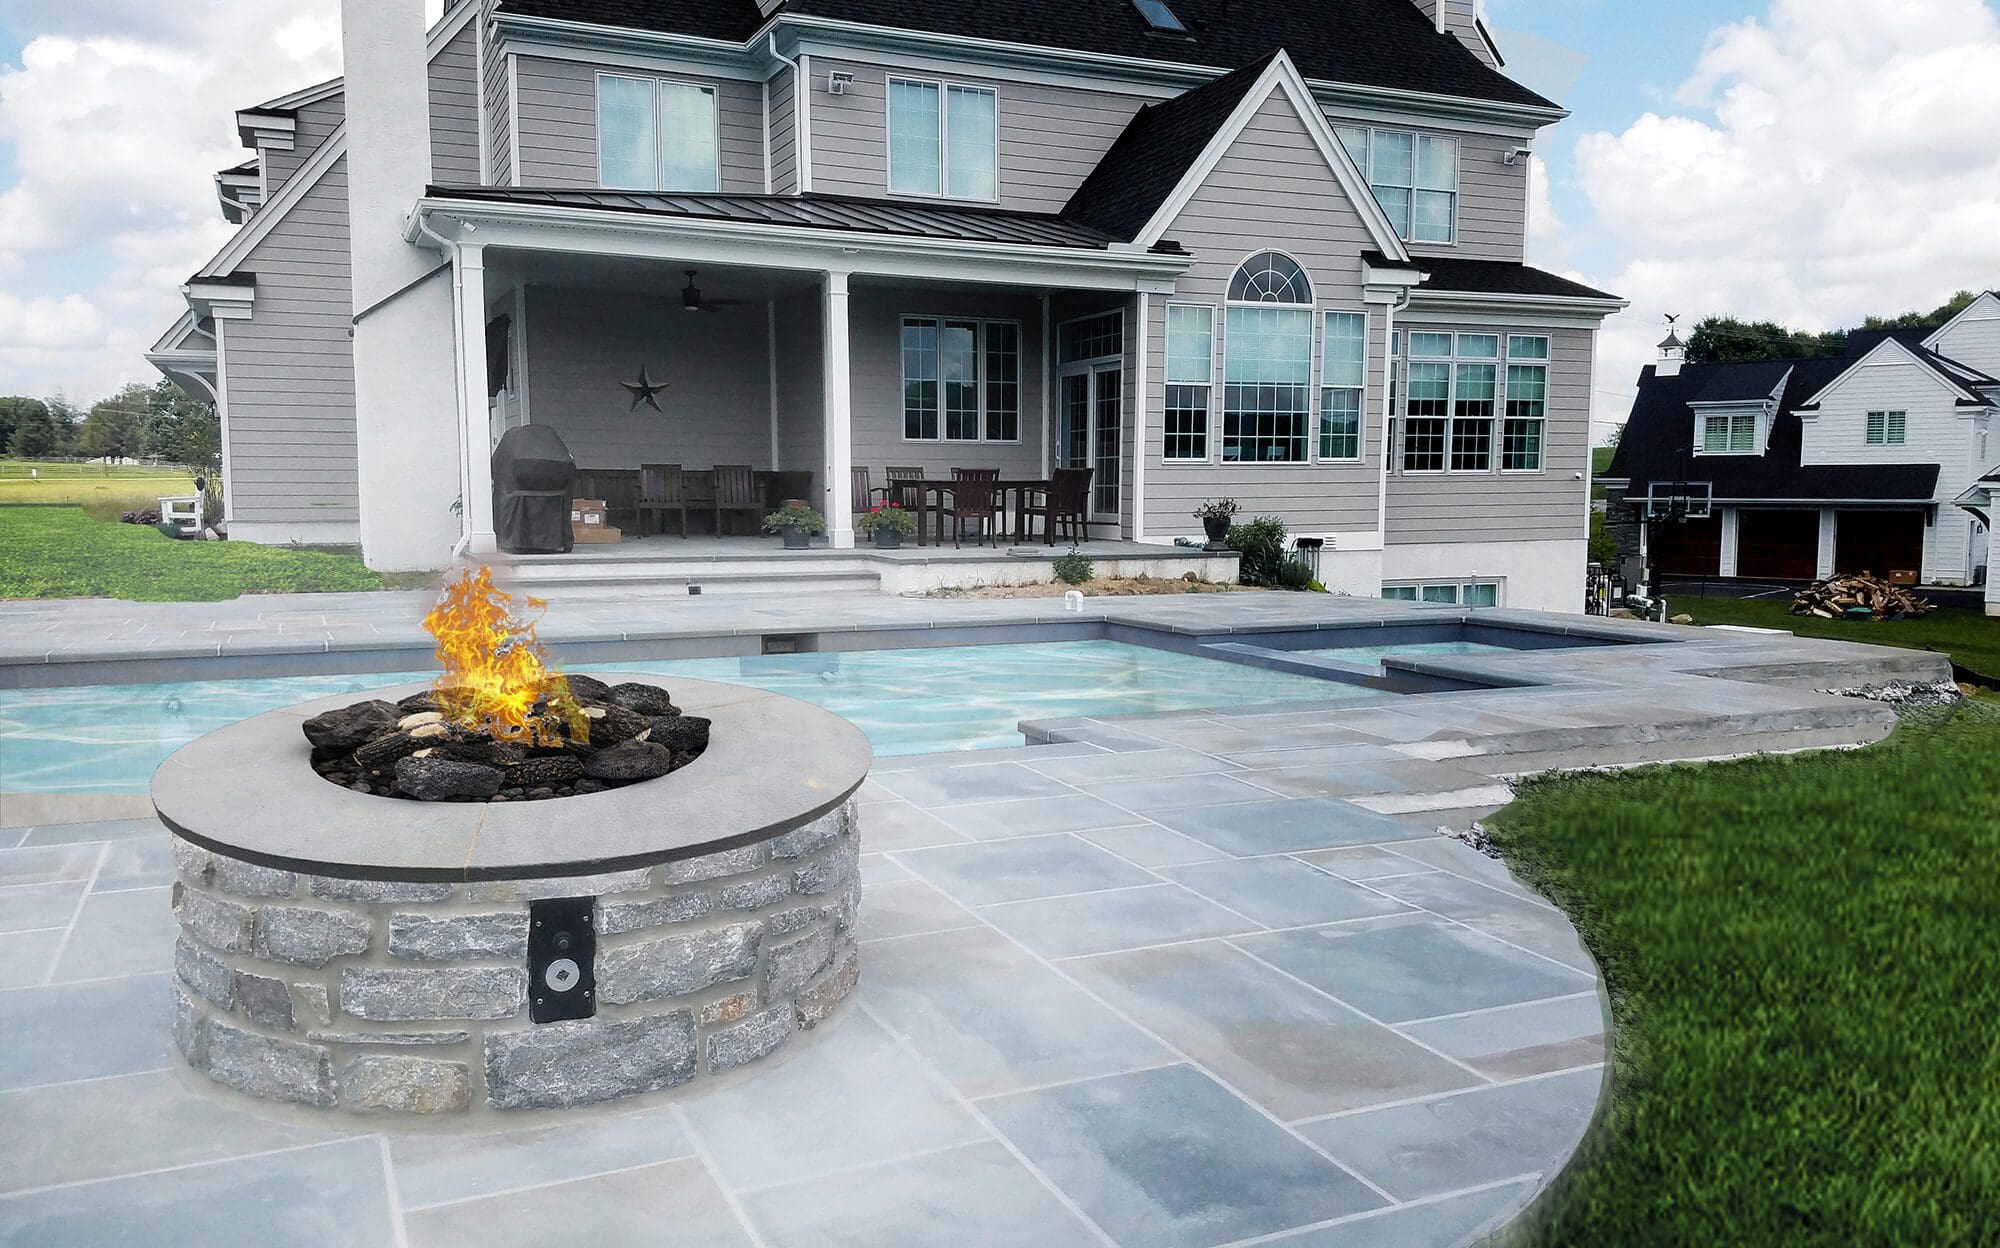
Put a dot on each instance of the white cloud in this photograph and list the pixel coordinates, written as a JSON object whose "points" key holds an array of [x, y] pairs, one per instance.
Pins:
{"points": [[1831, 160], [118, 121]]}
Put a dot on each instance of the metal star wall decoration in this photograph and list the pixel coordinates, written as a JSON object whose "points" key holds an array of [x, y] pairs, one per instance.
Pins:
{"points": [[645, 391]]}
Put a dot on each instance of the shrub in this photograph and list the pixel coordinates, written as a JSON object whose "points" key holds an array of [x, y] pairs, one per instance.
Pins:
{"points": [[1073, 568], [1261, 542], [1603, 547], [1295, 574], [887, 516], [795, 516]]}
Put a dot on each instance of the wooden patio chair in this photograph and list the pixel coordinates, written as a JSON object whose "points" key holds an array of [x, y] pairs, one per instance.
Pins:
{"points": [[866, 497], [662, 489], [902, 496], [736, 491], [1065, 505], [975, 495]]}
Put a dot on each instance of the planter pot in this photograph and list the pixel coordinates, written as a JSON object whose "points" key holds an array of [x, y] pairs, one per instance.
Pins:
{"points": [[888, 539], [795, 538], [1217, 528]]}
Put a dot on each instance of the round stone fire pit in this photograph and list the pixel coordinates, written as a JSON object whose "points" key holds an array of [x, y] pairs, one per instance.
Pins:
{"points": [[363, 953]]}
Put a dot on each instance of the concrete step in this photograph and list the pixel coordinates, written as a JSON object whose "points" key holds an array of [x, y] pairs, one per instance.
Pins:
{"points": [[572, 583]]}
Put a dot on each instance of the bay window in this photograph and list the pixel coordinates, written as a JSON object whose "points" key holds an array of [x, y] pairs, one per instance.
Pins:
{"points": [[656, 134], [1190, 380], [943, 140], [961, 380]]}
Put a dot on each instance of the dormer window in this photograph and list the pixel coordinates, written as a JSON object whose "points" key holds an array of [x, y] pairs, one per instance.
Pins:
{"points": [[1887, 428], [655, 134], [943, 140], [1159, 18], [1728, 433]]}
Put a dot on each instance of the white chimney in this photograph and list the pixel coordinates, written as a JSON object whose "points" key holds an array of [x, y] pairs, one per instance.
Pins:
{"points": [[1673, 352], [405, 363]]}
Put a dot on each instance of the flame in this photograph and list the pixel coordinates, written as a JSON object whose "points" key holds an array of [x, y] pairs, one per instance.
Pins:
{"points": [[496, 676]]}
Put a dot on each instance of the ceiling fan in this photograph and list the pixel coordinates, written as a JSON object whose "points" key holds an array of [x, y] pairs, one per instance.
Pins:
{"points": [[692, 301]]}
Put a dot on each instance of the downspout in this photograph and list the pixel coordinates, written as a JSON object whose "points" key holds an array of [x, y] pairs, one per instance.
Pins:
{"points": [[1401, 304], [801, 138], [450, 249]]}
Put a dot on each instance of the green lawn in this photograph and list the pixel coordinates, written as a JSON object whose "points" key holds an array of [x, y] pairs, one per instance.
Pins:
{"points": [[1803, 954], [61, 552], [1600, 463], [1971, 637], [102, 491]]}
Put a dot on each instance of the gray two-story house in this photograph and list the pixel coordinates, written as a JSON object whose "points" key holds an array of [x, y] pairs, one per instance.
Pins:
{"points": [[1272, 251]]}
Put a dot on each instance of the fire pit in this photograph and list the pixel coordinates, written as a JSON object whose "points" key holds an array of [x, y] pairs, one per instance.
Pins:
{"points": [[357, 947]]}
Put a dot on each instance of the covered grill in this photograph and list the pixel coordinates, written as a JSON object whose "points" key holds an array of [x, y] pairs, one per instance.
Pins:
{"points": [[532, 476]]}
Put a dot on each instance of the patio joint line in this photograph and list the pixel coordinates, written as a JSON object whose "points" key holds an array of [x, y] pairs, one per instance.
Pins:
{"points": [[1590, 970], [451, 1201], [1076, 1079], [1531, 1176], [92, 979], [1223, 936], [1494, 1009], [736, 1209], [70, 1184], [973, 926], [1429, 1097], [62, 946], [75, 1083], [399, 1232], [915, 1154]]}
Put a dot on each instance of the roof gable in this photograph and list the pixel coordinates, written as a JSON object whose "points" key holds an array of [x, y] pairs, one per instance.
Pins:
{"points": [[274, 210], [1892, 345], [1986, 307], [1277, 77]]}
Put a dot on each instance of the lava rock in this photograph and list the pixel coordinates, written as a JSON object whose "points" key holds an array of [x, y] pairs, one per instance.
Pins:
{"points": [[547, 771], [588, 688], [646, 699], [683, 734], [616, 724], [346, 727], [630, 761], [481, 749], [444, 779], [587, 785], [417, 703], [385, 752]]}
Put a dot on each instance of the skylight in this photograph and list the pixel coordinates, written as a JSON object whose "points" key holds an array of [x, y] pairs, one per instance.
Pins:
{"points": [[1159, 16]]}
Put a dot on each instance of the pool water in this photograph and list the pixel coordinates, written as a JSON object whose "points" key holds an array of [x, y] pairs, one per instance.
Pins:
{"points": [[1411, 649], [109, 738]]}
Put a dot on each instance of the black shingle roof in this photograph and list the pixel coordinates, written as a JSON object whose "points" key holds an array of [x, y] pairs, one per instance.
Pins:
{"points": [[1658, 439], [1861, 341], [823, 212], [1373, 43], [1155, 152], [1452, 275]]}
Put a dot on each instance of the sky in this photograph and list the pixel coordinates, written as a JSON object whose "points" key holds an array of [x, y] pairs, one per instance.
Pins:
{"points": [[1809, 161]]}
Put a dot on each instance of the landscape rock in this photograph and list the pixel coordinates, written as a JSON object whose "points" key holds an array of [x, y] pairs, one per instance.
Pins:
{"points": [[588, 688], [558, 1065], [683, 734], [615, 724], [647, 700], [381, 753], [445, 779], [547, 770], [630, 761]]}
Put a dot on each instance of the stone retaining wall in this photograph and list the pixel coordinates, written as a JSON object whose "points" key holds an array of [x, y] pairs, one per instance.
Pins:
{"points": [[369, 995]]}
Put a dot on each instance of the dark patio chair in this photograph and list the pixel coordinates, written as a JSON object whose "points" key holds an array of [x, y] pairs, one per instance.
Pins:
{"points": [[904, 495], [662, 489], [975, 495], [1066, 505], [867, 498], [736, 491]]}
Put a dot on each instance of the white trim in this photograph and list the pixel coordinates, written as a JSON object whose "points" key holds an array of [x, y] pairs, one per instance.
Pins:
{"points": [[1210, 432], [1137, 419], [802, 142], [764, 93], [474, 409], [222, 419], [479, 48], [1281, 73], [1418, 135], [837, 390], [513, 119], [771, 365], [275, 209], [220, 301], [944, 89], [1048, 379], [521, 381], [1987, 300], [1318, 412], [659, 130], [1910, 359], [267, 129]]}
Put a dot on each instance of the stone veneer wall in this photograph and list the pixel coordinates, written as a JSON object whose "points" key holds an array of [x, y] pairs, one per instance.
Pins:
{"points": [[368, 995]]}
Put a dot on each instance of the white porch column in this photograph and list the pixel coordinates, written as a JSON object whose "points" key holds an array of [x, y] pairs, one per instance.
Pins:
{"points": [[1726, 561], [474, 412], [1829, 536], [839, 414]]}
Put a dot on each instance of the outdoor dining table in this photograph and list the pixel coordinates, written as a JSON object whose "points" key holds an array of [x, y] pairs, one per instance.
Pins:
{"points": [[929, 495]]}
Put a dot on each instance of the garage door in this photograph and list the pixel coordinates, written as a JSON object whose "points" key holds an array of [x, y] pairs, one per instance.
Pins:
{"points": [[1777, 545], [1879, 541], [1690, 549]]}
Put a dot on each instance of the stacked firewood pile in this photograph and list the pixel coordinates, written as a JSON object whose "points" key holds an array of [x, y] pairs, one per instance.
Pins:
{"points": [[1832, 600]]}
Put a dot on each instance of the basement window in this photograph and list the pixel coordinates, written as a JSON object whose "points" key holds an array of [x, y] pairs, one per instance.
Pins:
{"points": [[1159, 17]]}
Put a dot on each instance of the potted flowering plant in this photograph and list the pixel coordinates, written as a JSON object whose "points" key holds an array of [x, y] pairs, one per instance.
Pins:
{"points": [[797, 523], [1215, 515], [887, 524]]}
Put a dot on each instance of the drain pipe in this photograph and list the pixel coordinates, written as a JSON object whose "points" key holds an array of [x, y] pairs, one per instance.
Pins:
{"points": [[450, 249], [1401, 304], [801, 115]]}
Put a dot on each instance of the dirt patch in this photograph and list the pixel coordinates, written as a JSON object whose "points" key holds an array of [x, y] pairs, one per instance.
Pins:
{"points": [[1097, 587]]}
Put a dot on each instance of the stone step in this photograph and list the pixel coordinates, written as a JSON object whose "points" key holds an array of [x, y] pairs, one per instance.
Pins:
{"points": [[582, 584]]}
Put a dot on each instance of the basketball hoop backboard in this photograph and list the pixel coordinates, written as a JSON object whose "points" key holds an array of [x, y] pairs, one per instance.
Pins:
{"points": [[1680, 500]]}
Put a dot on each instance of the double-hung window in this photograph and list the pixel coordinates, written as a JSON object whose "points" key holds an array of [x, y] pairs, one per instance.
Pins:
{"points": [[1414, 178], [1343, 382], [1887, 428], [1267, 362], [1427, 403], [1475, 394], [1521, 436], [961, 380], [1190, 380], [1729, 433], [656, 134], [943, 140]]}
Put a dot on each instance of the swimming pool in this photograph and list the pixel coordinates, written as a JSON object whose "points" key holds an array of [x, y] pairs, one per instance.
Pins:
{"points": [[109, 738], [1408, 649]]}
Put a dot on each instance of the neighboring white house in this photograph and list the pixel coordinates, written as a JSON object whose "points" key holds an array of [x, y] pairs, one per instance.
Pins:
{"points": [[1869, 461], [1274, 252]]}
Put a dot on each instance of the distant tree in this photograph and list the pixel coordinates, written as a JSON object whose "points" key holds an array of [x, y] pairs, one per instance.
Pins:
{"points": [[112, 429], [69, 418], [38, 434], [1725, 339], [182, 430], [1925, 320], [13, 409], [1617, 436]]}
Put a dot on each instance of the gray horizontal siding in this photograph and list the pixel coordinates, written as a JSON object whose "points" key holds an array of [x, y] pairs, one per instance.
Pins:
{"points": [[454, 78], [784, 133], [499, 115], [290, 371], [582, 344], [1492, 196], [1493, 506], [1272, 189], [1050, 137], [558, 116], [316, 123]]}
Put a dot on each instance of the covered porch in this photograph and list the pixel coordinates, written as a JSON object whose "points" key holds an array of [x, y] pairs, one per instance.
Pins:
{"points": [[706, 361]]}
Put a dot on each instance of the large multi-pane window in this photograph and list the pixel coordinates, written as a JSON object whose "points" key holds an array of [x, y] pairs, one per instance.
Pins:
{"points": [[1414, 177], [655, 134], [943, 140], [1343, 383], [1190, 380], [1267, 362], [961, 380], [1521, 434], [1099, 337]]}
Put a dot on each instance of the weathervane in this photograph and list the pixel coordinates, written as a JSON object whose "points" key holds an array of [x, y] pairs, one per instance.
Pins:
{"points": [[646, 391]]}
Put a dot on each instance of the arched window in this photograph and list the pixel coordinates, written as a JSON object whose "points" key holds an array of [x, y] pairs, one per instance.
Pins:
{"points": [[1267, 362], [1271, 277]]}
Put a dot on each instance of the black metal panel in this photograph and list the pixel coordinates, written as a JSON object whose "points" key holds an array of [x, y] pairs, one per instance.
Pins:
{"points": [[562, 959]]}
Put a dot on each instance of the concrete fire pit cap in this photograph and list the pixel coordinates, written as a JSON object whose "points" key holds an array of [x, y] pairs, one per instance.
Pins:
{"points": [[772, 764]]}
